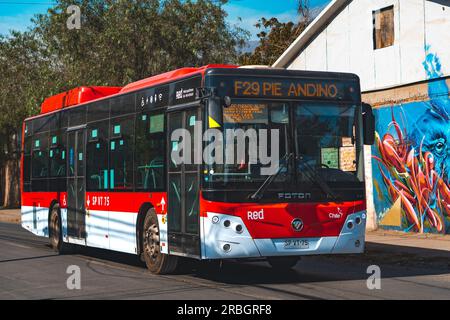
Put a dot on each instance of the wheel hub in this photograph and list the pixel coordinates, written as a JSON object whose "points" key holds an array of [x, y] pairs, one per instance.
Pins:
{"points": [[152, 241]]}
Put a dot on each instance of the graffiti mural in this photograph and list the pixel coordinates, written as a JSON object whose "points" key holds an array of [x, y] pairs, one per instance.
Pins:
{"points": [[411, 159]]}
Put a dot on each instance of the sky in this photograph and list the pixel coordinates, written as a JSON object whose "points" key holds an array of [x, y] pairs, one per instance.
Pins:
{"points": [[16, 14]]}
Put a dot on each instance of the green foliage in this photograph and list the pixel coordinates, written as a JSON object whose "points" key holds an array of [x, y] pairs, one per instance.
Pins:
{"points": [[120, 41], [275, 37]]}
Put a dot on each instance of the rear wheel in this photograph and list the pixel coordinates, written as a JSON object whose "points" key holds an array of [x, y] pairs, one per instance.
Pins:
{"points": [[283, 263], [55, 231], [156, 261]]}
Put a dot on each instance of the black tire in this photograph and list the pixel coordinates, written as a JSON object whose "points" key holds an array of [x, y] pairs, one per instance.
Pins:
{"points": [[283, 263], [157, 262], [55, 231]]}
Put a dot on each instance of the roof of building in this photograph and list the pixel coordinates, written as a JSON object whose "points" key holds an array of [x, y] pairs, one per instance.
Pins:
{"points": [[315, 27]]}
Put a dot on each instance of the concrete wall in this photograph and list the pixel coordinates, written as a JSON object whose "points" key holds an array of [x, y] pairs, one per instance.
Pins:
{"points": [[346, 44], [411, 158]]}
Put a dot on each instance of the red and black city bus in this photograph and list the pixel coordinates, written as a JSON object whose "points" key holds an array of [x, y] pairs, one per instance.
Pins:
{"points": [[97, 167]]}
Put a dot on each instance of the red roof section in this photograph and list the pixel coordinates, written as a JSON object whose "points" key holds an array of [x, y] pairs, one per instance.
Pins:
{"points": [[84, 94], [76, 96], [171, 76]]}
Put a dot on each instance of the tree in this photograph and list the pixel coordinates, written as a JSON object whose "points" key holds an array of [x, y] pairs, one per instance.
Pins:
{"points": [[275, 37], [120, 41], [25, 72]]}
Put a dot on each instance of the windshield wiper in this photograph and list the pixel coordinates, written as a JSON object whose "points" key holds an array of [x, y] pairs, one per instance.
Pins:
{"points": [[260, 192], [317, 179]]}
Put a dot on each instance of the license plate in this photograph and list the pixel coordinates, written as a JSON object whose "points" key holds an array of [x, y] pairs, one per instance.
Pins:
{"points": [[296, 244]]}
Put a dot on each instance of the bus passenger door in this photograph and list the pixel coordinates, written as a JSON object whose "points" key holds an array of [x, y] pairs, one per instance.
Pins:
{"points": [[76, 213], [183, 188]]}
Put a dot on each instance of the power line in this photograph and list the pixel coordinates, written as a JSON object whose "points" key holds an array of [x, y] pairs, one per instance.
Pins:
{"points": [[26, 3]]}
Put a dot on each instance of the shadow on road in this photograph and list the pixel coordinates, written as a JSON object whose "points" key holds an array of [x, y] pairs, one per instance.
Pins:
{"points": [[394, 261], [27, 258]]}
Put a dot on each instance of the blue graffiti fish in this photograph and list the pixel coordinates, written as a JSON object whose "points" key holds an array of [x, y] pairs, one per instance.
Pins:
{"points": [[432, 130]]}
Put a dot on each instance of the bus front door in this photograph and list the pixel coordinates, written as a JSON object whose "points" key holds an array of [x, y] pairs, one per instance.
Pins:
{"points": [[76, 214], [183, 186]]}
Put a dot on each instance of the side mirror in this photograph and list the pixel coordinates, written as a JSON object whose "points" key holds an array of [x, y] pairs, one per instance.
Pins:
{"points": [[368, 124], [227, 102]]}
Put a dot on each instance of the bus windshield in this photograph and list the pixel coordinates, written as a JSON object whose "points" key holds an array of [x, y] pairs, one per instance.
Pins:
{"points": [[323, 138]]}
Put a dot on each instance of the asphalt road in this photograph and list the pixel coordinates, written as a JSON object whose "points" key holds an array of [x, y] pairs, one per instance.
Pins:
{"points": [[29, 269]]}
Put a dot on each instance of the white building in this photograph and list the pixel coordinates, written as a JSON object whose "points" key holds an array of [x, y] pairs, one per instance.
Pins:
{"points": [[400, 49], [342, 38]]}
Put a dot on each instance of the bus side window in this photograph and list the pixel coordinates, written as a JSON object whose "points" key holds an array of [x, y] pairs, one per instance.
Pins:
{"points": [[121, 146], [97, 156], [27, 158], [40, 156], [57, 155], [150, 150]]}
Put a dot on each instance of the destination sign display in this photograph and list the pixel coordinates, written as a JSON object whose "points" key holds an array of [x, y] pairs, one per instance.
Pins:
{"points": [[246, 113], [282, 88]]}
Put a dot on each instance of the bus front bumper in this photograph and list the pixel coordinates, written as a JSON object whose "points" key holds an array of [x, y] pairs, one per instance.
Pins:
{"points": [[220, 242]]}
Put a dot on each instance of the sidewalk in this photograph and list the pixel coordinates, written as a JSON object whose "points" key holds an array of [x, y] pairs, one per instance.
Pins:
{"points": [[10, 215], [426, 245]]}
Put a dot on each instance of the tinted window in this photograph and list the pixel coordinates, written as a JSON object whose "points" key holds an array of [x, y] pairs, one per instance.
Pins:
{"points": [[41, 124], [27, 158], [122, 105], [40, 156], [97, 156], [121, 146], [150, 150], [176, 122], [57, 155], [52, 121], [174, 218], [98, 111], [77, 116], [63, 120], [28, 128], [192, 203]]}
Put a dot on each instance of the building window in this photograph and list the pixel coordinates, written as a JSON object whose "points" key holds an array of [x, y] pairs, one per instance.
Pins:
{"points": [[383, 28]]}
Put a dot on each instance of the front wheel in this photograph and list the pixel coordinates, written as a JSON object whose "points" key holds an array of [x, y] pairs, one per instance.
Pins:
{"points": [[283, 263], [156, 261], [55, 231]]}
